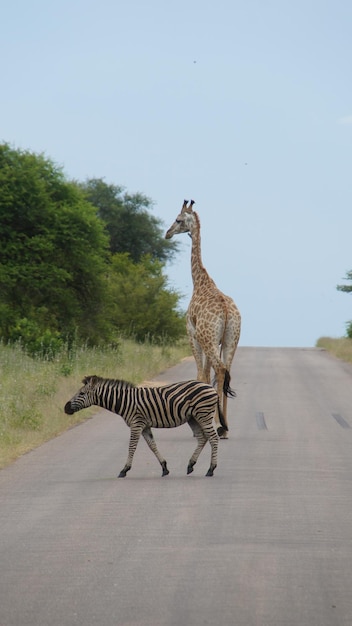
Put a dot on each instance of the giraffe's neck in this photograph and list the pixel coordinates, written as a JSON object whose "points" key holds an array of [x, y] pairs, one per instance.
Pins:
{"points": [[199, 273]]}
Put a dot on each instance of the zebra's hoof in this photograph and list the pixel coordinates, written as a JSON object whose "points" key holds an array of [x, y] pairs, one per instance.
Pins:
{"points": [[122, 474], [165, 470], [210, 471], [190, 469]]}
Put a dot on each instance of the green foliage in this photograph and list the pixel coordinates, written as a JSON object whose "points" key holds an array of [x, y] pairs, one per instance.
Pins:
{"points": [[131, 227], [53, 251], [78, 262], [37, 342], [141, 305], [347, 289]]}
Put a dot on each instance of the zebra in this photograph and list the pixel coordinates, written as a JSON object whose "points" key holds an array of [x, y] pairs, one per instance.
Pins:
{"points": [[144, 408]]}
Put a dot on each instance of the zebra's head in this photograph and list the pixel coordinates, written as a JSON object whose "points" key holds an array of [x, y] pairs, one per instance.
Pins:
{"points": [[85, 397], [184, 222]]}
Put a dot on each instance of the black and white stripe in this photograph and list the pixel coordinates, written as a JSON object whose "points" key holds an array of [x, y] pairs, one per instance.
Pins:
{"points": [[144, 408]]}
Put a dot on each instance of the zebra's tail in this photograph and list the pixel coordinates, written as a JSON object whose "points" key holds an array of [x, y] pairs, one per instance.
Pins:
{"points": [[223, 428], [229, 393]]}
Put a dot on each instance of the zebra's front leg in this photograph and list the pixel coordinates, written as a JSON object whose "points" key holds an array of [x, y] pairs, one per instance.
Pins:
{"points": [[134, 438], [201, 439], [148, 436]]}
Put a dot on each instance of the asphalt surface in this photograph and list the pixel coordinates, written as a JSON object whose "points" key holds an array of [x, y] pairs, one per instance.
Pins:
{"points": [[267, 541]]}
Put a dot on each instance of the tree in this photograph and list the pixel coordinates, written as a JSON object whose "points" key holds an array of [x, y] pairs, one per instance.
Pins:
{"points": [[58, 277], [141, 305], [53, 251], [347, 289], [130, 226]]}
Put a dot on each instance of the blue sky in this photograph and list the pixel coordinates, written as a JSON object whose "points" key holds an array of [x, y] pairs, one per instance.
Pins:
{"points": [[244, 106]]}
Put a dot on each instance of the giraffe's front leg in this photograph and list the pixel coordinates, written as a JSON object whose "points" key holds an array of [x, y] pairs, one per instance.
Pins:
{"points": [[207, 368], [196, 350]]}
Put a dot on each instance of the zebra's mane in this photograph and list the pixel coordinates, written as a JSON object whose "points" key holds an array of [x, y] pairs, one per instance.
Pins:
{"points": [[95, 380]]}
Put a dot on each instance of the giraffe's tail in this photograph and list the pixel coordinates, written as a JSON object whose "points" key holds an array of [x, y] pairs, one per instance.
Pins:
{"points": [[229, 393]]}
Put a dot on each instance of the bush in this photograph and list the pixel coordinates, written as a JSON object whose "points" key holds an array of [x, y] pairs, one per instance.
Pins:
{"points": [[37, 343]]}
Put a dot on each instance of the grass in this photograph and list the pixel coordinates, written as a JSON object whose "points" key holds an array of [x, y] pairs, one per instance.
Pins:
{"points": [[34, 391], [341, 348]]}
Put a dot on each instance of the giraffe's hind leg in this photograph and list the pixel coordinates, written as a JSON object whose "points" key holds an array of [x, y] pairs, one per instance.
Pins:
{"points": [[196, 349], [229, 346]]}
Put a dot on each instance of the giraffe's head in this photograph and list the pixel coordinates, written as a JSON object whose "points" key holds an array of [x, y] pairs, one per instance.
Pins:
{"points": [[183, 222]]}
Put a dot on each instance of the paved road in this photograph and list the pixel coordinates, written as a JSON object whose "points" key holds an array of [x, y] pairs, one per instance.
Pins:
{"points": [[266, 542]]}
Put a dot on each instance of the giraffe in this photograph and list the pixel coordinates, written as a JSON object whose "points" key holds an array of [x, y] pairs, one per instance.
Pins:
{"points": [[213, 319]]}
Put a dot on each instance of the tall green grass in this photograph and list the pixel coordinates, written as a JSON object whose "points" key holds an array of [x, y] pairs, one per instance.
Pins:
{"points": [[33, 392], [341, 348]]}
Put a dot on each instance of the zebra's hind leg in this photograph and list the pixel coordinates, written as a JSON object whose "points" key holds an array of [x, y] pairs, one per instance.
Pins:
{"points": [[202, 440], [204, 433], [213, 440], [124, 471], [148, 436]]}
